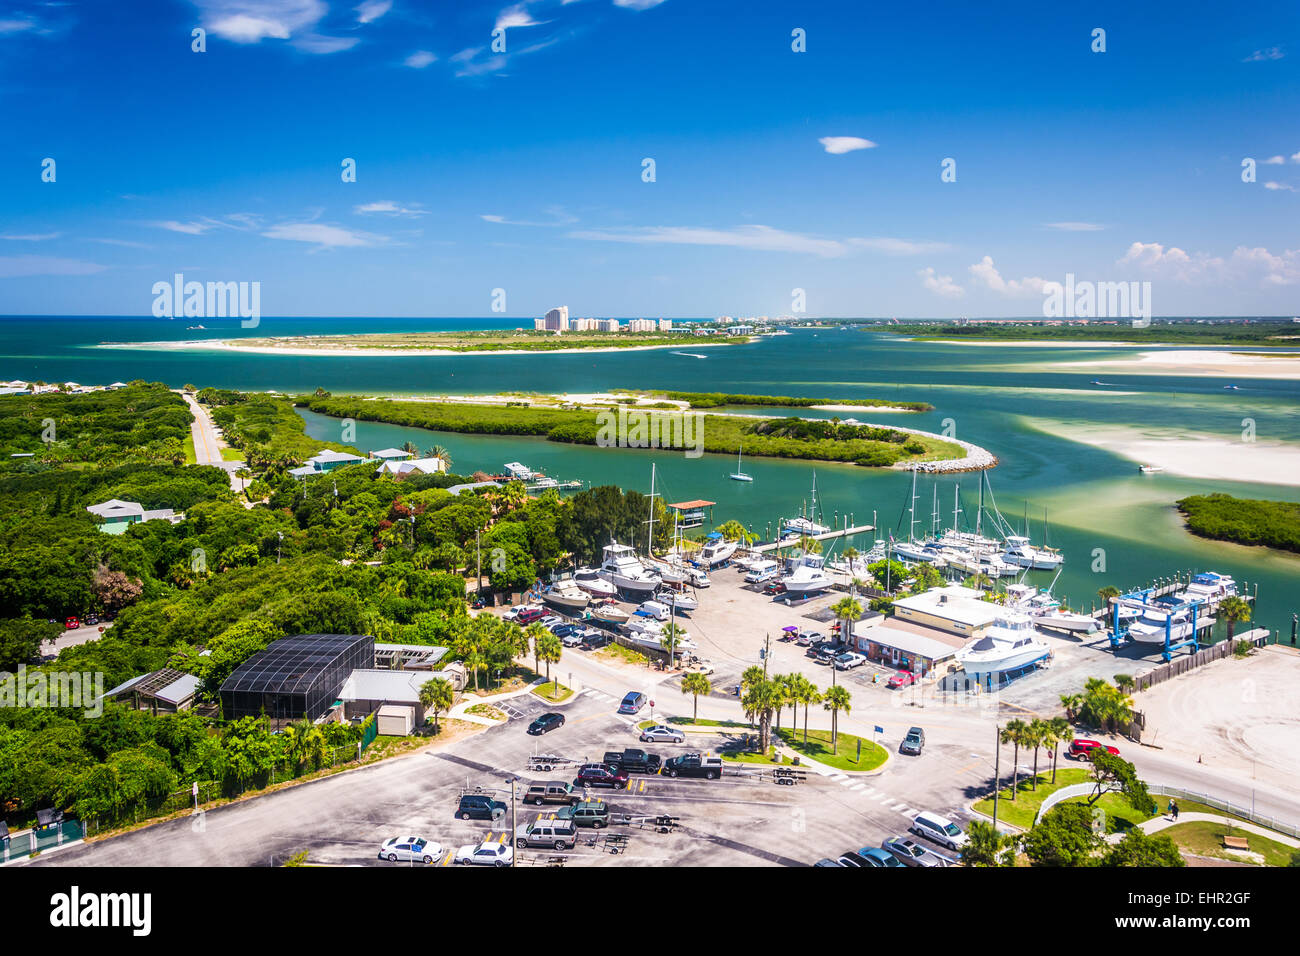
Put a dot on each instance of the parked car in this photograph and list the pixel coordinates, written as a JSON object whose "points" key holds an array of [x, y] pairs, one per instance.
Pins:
{"points": [[550, 621], [91, 619], [913, 743], [660, 733], [559, 834], [910, 853], [410, 849], [774, 587], [698, 666], [826, 861], [632, 703], [594, 640], [545, 724], [654, 610], [1082, 748], [588, 813], [693, 765], [633, 761], [530, 614], [478, 604], [601, 775], [939, 829], [823, 655], [480, 806], [849, 660], [551, 792], [564, 630], [878, 857], [72, 622], [809, 638], [901, 679], [485, 854], [519, 610], [574, 638]]}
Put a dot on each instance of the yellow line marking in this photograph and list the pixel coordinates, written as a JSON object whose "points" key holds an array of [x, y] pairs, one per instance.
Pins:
{"points": [[446, 861]]}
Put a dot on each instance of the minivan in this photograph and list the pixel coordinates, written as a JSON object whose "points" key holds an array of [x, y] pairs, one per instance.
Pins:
{"points": [[632, 703], [763, 571], [559, 834], [939, 829]]}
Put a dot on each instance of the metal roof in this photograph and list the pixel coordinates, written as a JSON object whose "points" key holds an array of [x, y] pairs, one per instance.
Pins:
{"points": [[291, 664]]}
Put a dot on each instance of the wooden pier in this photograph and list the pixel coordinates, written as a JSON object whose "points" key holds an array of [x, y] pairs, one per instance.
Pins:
{"points": [[794, 539]]}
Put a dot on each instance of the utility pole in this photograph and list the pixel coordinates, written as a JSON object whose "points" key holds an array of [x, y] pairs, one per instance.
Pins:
{"points": [[478, 563], [514, 821], [997, 779], [767, 652]]}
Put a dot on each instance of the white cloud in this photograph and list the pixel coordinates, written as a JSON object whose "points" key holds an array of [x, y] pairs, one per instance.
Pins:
{"points": [[1260, 264], [13, 267], [985, 272], [251, 21], [323, 235], [16, 26], [637, 4], [1171, 263], [516, 16], [902, 247], [837, 145], [420, 59], [1274, 161], [316, 43], [189, 228], [940, 285], [1274, 185], [1295, 157], [1269, 53], [1075, 226], [1245, 265], [758, 238], [372, 10], [123, 242], [389, 207], [561, 218], [31, 236]]}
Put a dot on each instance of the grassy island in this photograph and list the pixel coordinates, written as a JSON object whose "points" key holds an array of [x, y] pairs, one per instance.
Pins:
{"points": [[1244, 520], [1253, 334], [488, 340]]}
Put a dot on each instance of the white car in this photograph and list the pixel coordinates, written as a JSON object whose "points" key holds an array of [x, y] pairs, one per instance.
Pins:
{"points": [[550, 621], [849, 659], [410, 849], [485, 854], [661, 733], [698, 667]]}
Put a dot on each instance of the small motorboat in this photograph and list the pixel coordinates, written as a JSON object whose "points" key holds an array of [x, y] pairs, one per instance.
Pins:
{"points": [[610, 614]]}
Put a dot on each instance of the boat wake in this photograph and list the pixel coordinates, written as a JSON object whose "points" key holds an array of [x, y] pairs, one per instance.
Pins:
{"points": [[688, 354]]}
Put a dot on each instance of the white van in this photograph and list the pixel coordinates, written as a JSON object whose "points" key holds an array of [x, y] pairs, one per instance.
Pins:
{"points": [[763, 571], [655, 610], [939, 829]]}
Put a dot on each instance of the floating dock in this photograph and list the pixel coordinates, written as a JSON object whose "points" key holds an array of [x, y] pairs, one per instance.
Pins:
{"points": [[824, 536]]}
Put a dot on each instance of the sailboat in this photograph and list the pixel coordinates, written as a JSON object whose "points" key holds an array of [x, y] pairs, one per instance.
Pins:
{"points": [[804, 524], [739, 475]]}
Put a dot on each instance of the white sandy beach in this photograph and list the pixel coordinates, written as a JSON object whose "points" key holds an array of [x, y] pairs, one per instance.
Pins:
{"points": [[235, 345], [1207, 362], [1187, 454]]}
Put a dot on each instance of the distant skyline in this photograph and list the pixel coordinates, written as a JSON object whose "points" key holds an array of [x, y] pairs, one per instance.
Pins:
{"points": [[526, 170]]}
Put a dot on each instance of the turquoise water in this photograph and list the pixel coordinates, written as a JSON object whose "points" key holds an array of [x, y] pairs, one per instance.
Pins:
{"points": [[1098, 506]]}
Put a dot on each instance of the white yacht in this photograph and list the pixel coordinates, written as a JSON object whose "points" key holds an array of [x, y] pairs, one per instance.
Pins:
{"points": [[920, 552], [1156, 622], [739, 475], [802, 525], [1023, 554], [807, 577], [622, 568], [589, 580], [1046, 610], [1071, 621], [1208, 586], [667, 572], [1010, 644], [975, 562], [648, 632], [567, 596], [717, 550], [678, 601]]}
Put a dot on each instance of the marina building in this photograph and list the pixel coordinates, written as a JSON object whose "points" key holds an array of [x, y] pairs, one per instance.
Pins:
{"points": [[954, 610]]}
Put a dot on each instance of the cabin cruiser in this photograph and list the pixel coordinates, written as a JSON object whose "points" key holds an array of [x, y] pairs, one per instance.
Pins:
{"points": [[967, 541], [668, 574], [678, 601], [622, 568], [1071, 621], [647, 632], [920, 551], [1046, 610], [716, 550], [808, 576], [1208, 586], [1010, 644], [977, 563], [1023, 554], [567, 596], [859, 567], [802, 526], [1156, 623], [589, 580], [609, 614]]}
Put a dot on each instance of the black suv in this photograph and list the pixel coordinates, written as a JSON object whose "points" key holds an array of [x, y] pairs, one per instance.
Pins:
{"points": [[480, 806]]}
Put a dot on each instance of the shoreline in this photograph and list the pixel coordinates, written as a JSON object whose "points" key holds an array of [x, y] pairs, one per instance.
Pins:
{"points": [[1210, 363], [1113, 343], [231, 345]]}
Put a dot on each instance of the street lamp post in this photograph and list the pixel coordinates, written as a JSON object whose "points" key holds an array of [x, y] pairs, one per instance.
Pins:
{"points": [[514, 820]]}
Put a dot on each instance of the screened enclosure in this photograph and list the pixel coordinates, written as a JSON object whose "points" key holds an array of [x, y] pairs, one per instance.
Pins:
{"points": [[295, 677]]}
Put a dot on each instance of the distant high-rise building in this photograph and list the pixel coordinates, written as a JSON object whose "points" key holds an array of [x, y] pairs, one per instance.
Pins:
{"points": [[665, 325], [557, 320], [641, 325]]}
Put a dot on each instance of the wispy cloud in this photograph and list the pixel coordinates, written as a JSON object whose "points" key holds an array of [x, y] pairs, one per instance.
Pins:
{"points": [[17, 25], [1075, 226], [197, 227], [1281, 186], [838, 145], [1274, 161], [1269, 53], [372, 10], [419, 59], [559, 218], [758, 238], [900, 247], [636, 4], [390, 207], [14, 267], [323, 235], [516, 16], [189, 228], [252, 21], [940, 285], [30, 236], [121, 242]]}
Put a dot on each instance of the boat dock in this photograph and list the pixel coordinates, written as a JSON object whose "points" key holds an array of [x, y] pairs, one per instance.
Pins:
{"points": [[788, 540]]}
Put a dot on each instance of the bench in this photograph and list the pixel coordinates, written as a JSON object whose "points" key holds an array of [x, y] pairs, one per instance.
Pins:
{"points": [[1236, 843]]}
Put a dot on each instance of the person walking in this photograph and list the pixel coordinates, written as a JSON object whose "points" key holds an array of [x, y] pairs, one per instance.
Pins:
{"points": [[1175, 806], [1171, 807]]}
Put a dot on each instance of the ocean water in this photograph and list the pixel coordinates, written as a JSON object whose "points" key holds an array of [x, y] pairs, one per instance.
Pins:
{"points": [[1115, 525]]}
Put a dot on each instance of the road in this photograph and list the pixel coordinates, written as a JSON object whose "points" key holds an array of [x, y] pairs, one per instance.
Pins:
{"points": [[208, 443]]}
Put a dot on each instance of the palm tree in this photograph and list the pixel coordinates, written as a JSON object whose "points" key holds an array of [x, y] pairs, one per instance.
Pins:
{"points": [[244, 475], [670, 636], [1071, 703], [441, 453], [1233, 609], [535, 632], [806, 693], [985, 845], [695, 685], [1035, 737], [1058, 732], [848, 611], [752, 675], [787, 683], [549, 648], [411, 448], [1125, 683], [1015, 732], [1105, 594], [437, 695], [836, 699], [759, 702]]}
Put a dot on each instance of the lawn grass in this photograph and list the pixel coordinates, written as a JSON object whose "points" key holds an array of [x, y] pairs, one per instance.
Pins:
{"points": [[231, 454], [553, 691], [844, 757], [732, 755], [190, 457], [619, 652], [485, 710], [704, 722], [1020, 812], [1205, 838]]}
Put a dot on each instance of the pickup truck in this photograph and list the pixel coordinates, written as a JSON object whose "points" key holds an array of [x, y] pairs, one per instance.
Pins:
{"points": [[633, 761], [693, 765]]}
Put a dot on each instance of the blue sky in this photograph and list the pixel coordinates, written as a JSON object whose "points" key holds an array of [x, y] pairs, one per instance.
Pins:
{"points": [[774, 169]]}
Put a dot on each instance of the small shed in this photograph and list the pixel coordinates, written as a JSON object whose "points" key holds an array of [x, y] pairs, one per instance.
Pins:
{"points": [[395, 720]]}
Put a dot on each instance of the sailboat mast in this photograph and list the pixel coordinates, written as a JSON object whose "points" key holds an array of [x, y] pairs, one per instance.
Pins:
{"points": [[934, 512], [650, 537], [979, 515], [956, 506], [911, 527]]}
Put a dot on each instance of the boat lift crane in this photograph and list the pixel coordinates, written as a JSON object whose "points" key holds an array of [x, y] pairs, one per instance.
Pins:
{"points": [[1119, 633]]}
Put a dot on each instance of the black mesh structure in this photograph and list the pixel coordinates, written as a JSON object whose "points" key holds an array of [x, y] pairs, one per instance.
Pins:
{"points": [[295, 677]]}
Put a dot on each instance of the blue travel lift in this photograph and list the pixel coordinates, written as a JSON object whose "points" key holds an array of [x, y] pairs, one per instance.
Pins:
{"points": [[1119, 634]]}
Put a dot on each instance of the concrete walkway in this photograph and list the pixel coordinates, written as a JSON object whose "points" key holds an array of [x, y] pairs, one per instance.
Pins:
{"points": [[459, 710], [1162, 822]]}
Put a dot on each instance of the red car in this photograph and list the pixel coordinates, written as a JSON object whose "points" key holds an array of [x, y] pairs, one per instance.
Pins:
{"points": [[530, 614], [71, 622], [1081, 749], [601, 775], [901, 679]]}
